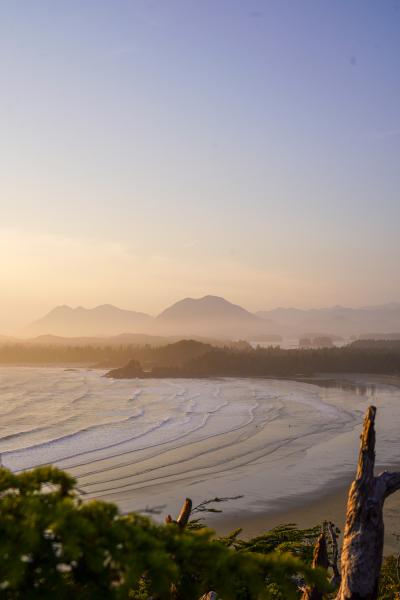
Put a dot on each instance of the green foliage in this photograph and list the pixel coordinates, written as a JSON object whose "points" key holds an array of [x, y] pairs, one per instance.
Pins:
{"points": [[283, 539], [389, 582], [53, 545]]}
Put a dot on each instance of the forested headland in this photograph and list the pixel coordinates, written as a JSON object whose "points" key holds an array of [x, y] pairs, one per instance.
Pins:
{"points": [[191, 358], [358, 357]]}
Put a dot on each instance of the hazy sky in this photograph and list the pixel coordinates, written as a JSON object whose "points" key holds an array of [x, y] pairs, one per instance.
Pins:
{"points": [[151, 150]]}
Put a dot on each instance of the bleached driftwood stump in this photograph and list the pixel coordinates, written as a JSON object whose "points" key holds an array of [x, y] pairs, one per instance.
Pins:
{"points": [[363, 535], [184, 515], [320, 559]]}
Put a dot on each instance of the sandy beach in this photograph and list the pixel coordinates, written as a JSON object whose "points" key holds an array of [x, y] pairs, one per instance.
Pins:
{"points": [[289, 448], [329, 505]]}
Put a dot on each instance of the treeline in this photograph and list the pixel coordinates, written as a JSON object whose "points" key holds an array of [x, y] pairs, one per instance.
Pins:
{"points": [[274, 361], [379, 344], [105, 356], [280, 362], [20, 354], [190, 358]]}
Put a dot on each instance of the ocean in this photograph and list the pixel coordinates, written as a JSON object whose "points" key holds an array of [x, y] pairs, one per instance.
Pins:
{"points": [[146, 443]]}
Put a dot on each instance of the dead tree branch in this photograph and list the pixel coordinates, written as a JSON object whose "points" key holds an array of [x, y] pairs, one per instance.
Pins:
{"points": [[184, 515], [363, 535]]}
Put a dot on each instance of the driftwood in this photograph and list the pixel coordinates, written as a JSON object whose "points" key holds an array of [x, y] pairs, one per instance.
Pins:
{"points": [[320, 559], [363, 535], [184, 515]]}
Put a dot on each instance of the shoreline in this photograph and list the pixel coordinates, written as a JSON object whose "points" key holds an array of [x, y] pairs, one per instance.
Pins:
{"points": [[271, 502], [321, 378], [308, 510]]}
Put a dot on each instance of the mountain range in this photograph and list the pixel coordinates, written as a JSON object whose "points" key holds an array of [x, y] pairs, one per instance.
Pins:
{"points": [[337, 320], [209, 316], [212, 316], [102, 320]]}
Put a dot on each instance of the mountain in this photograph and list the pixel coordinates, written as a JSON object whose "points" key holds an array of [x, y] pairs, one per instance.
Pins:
{"points": [[337, 320], [216, 318], [210, 315], [102, 320], [206, 308]]}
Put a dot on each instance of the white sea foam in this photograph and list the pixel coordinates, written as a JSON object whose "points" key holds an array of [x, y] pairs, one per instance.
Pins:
{"points": [[136, 441]]}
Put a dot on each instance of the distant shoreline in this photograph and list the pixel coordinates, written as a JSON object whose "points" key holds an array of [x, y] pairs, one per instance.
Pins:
{"points": [[321, 379]]}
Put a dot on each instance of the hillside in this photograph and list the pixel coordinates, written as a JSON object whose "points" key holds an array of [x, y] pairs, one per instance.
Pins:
{"points": [[211, 315], [337, 320], [101, 320], [207, 317]]}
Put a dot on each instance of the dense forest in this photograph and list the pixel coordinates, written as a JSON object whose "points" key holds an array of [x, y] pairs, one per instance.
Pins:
{"points": [[106, 356], [190, 358], [274, 361]]}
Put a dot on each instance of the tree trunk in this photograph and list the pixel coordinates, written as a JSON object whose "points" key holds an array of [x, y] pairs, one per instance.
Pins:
{"points": [[320, 559], [363, 535]]}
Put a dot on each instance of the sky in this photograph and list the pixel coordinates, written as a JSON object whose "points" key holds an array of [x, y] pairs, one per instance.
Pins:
{"points": [[154, 150]]}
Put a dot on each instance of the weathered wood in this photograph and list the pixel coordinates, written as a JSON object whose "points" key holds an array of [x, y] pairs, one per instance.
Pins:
{"points": [[333, 533], [183, 517], [363, 535], [320, 559]]}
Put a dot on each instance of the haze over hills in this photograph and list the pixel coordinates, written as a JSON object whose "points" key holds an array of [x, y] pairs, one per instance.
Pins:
{"points": [[112, 341], [101, 320], [215, 317], [336, 320], [211, 316]]}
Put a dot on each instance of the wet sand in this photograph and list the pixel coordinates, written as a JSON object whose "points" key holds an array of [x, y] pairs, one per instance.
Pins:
{"points": [[329, 504], [288, 447]]}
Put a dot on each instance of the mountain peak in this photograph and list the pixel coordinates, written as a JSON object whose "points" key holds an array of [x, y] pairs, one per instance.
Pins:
{"points": [[209, 315], [205, 307]]}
